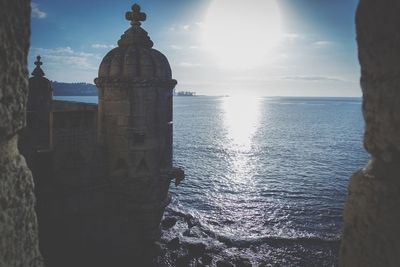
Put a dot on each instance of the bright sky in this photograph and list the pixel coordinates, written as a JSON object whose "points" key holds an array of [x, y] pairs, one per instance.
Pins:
{"points": [[215, 47]]}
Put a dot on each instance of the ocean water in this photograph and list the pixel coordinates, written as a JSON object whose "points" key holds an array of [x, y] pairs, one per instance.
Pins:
{"points": [[266, 178]]}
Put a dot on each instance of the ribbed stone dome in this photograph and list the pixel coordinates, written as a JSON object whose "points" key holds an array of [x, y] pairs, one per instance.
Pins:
{"points": [[134, 58], [134, 62]]}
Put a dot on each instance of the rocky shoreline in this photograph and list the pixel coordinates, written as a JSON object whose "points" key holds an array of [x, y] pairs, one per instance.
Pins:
{"points": [[185, 242], [192, 247]]}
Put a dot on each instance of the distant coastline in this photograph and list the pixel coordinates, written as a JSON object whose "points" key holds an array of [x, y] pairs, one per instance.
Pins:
{"points": [[73, 89], [88, 89]]}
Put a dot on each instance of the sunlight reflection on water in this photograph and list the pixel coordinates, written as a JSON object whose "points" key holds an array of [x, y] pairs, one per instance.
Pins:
{"points": [[241, 120], [265, 171]]}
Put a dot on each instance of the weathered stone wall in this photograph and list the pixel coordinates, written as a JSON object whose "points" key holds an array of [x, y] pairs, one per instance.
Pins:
{"points": [[18, 227], [73, 144], [371, 234]]}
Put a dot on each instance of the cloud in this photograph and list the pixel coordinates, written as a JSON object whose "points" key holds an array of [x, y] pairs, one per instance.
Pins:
{"points": [[292, 36], [36, 12], [195, 47], [184, 28], [312, 78], [66, 57], [308, 38], [103, 46], [189, 64], [200, 24], [322, 43], [176, 47], [180, 47]]}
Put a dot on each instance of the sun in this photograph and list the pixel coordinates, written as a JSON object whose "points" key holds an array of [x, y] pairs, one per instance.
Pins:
{"points": [[241, 34]]}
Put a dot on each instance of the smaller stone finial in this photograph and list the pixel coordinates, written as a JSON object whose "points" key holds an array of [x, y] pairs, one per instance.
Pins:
{"points": [[135, 16], [38, 72], [38, 62]]}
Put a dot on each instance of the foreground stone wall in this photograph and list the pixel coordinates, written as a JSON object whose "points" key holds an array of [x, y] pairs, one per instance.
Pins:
{"points": [[18, 227], [371, 235]]}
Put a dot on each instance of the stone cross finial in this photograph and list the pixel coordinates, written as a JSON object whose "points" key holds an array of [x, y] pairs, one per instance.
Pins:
{"points": [[38, 71], [135, 16], [38, 63]]}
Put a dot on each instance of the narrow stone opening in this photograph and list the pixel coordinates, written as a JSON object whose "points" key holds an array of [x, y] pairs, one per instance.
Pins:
{"points": [[84, 216]]}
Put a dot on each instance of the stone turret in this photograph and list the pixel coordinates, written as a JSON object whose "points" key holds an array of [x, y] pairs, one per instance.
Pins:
{"points": [[40, 92], [34, 139], [40, 96], [135, 122]]}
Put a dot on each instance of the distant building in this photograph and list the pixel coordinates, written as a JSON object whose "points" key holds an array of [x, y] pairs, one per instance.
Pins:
{"points": [[186, 93]]}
